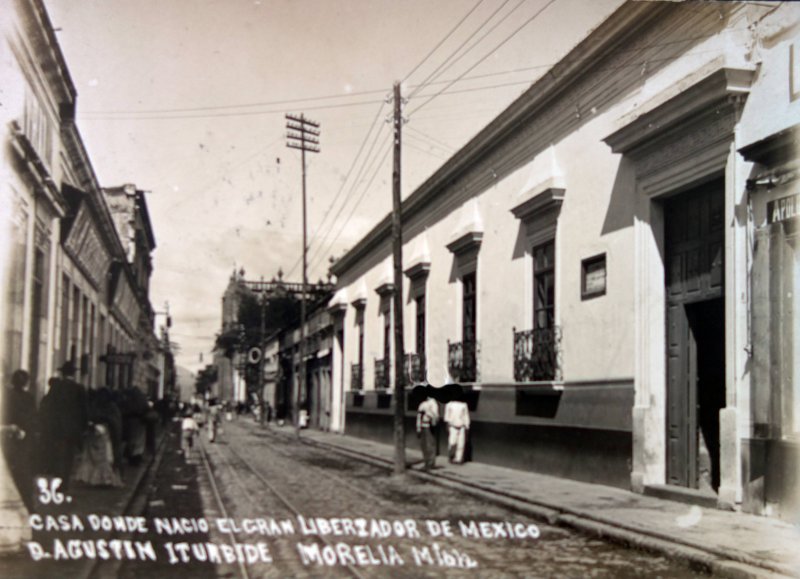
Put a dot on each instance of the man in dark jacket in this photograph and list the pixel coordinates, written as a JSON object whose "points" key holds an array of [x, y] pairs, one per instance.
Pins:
{"points": [[63, 416], [19, 418]]}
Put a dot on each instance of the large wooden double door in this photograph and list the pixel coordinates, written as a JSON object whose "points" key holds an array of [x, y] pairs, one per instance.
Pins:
{"points": [[695, 311]]}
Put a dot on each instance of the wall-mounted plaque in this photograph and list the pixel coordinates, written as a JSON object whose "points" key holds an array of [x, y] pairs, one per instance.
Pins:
{"points": [[593, 276]]}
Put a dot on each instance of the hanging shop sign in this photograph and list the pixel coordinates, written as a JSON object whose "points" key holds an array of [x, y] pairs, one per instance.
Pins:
{"points": [[783, 209], [254, 355]]}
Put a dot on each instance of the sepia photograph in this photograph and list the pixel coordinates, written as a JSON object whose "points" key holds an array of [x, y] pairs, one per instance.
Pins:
{"points": [[399, 288]]}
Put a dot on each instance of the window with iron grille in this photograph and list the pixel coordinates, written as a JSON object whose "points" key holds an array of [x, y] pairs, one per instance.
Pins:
{"points": [[469, 322], [421, 324], [387, 345], [361, 342], [387, 335], [544, 277]]}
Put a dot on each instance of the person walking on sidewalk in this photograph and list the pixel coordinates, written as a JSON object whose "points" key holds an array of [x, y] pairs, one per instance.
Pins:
{"points": [[427, 417], [63, 417], [214, 417], [456, 415], [19, 432]]}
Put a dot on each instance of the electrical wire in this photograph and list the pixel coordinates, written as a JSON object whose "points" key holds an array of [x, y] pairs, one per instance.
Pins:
{"points": [[487, 55], [457, 50], [367, 161], [353, 164], [442, 145], [436, 150], [442, 41], [378, 160], [223, 115], [160, 114], [361, 197], [98, 115], [423, 151]]}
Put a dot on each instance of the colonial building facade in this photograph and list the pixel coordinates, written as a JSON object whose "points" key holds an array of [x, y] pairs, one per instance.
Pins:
{"points": [[270, 354], [74, 259], [604, 264]]}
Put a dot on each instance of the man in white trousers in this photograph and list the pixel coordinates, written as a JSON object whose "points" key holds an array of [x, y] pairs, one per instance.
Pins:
{"points": [[456, 415]]}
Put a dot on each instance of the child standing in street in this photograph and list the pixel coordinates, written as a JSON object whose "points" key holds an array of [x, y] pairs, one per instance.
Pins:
{"points": [[188, 430]]}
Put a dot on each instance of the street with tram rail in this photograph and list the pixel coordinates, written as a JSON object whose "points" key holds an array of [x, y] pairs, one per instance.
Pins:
{"points": [[260, 502]]}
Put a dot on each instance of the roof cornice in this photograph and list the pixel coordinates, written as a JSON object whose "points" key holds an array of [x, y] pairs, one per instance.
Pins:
{"points": [[719, 86], [627, 21]]}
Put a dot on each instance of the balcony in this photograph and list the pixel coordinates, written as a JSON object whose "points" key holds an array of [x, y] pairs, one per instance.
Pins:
{"points": [[416, 370], [462, 361], [537, 355], [382, 373], [356, 377]]}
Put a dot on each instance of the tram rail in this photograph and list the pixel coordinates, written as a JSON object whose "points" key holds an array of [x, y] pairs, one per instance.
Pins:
{"points": [[282, 498]]}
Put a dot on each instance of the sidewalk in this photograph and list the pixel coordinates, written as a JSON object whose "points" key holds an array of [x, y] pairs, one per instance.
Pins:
{"points": [[85, 500], [725, 543]]}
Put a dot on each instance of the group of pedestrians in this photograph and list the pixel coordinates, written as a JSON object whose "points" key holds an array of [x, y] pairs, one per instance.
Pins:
{"points": [[76, 434], [194, 418], [456, 416]]}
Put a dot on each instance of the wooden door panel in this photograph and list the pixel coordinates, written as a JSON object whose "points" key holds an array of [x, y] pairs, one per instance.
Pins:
{"points": [[677, 399], [694, 260], [717, 266]]}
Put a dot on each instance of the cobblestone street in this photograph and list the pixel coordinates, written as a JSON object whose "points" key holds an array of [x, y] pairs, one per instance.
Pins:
{"points": [[253, 474]]}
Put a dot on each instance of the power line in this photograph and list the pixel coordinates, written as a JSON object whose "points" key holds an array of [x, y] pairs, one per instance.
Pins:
{"points": [[242, 105], [431, 139], [354, 187], [275, 112], [442, 41], [487, 55], [230, 114], [366, 190], [352, 165], [479, 40], [156, 114], [431, 153], [354, 184], [98, 115], [435, 150], [452, 54], [378, 166], [367, 160]]}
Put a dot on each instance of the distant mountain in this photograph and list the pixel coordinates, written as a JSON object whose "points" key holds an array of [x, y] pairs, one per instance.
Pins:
{"points": [[184, 382]]}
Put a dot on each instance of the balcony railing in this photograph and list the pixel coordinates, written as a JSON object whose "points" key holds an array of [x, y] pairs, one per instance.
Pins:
{"points": [[356, 377], [382, 370], [537, 354], [416, 370], [462, 361]]}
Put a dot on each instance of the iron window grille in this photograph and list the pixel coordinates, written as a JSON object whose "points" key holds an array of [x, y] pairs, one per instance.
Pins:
{"points": [[356, 377], [416, 371], [382, 374], [462, 360], [537, 354]]}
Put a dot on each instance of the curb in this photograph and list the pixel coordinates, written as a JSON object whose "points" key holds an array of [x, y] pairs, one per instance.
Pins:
{"points": [[96, 567], [718, 562]]}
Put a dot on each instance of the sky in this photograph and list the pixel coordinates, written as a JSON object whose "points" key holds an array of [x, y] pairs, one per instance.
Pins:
{"points": [[186, 99]]}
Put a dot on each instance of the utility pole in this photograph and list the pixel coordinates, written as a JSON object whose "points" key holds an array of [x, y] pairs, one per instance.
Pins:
{"points": [[397, 244], [263, 347], [302, 134]]}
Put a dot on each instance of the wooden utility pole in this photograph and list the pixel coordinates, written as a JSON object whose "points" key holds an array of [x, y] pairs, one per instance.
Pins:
{"points": [[397, 243], [302, 134]]}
